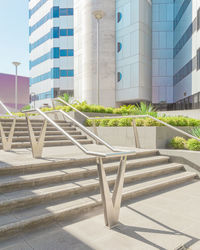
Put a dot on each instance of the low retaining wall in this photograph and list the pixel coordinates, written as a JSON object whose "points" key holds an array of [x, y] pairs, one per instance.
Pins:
{"points": [[190, 159], [150, 137]]}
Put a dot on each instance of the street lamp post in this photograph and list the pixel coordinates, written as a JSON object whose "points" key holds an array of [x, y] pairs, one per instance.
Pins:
{"points": [[33, 94], [98, 14], [16, 83]]}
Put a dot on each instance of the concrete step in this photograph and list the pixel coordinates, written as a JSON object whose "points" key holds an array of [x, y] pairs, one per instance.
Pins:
{"points": [[73, 173], [85, 163], [47, 138], [48, 133], [31, 197], [50, 143], [9, 124], [39, 128], [23, 120], [58, 211]]}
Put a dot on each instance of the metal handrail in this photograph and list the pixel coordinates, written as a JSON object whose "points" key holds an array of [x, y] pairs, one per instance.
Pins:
{"points": [[69, 105], [149, 116], [117, 152], [5, 108], [111, 204]]}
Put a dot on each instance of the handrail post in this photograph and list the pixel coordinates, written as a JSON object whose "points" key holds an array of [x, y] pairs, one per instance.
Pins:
{"points": [[95, 130], [54, 106], [7, 142], [135, 133], [112, 204], [36, 145]]}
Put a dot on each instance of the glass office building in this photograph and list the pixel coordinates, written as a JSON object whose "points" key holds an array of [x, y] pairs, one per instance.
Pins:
{"points": [[148, 50], [51, 36]]}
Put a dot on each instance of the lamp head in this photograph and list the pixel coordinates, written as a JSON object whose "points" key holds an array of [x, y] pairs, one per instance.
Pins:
{"points": [[98, 14], [16, 63]]}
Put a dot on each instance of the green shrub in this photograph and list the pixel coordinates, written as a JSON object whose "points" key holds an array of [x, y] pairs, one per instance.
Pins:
{"points": [[125, 122], [104, 122], [193, 144], [139, 122], [193, 122], [151, 123], [113, 123], [178, 143]]}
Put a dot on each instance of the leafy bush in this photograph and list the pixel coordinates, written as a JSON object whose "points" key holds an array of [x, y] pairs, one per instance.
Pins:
{"points": [[113, 123], [193, 144], [151, 123], [104, 122], [125, 122], [139, 122], [27, 107], [178, 143]]}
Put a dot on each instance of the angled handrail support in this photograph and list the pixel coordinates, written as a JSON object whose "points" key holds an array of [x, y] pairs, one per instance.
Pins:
{"points": [[111, 204], [7, 142], [36, 145]]}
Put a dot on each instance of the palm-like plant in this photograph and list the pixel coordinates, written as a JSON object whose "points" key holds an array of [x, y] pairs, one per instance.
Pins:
{"points": [[195, 131]]}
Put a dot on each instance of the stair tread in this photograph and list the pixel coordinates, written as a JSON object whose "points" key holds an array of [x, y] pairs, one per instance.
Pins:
{"points": [[50, 189], [55, 208], [69, 170]]}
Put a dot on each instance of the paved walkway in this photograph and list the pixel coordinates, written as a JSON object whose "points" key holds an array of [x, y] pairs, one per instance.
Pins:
{"points": [[24, 156], [164, 221]]}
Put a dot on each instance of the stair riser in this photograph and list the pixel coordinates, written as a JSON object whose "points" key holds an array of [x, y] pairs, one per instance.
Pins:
{"points": [[34, 125], [6, 232], [49, 144], [68, 177], [50, 138], [78, 190], [65, 164]]}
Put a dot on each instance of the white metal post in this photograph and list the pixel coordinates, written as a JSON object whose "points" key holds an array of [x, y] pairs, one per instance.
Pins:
{"points": [[16, 85]]}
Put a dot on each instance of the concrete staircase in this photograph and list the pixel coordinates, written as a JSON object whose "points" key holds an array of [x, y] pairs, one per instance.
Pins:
{"points": [[38, 194], [53, 136]]}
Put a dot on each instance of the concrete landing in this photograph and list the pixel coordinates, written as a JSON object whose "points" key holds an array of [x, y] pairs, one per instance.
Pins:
{"points": [[165, 220], [52, 154]]}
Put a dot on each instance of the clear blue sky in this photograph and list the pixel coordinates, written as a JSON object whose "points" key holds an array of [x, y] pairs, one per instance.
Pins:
{"points": [[14, 44]]}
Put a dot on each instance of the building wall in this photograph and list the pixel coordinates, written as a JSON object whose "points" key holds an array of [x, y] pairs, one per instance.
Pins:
{"points": [[186, 45], [51, 49], [7, 91], [133, 54], [86, 84], [162, 51]]}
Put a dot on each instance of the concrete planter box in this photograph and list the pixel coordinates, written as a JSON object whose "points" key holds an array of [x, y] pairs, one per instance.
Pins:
{"points": [[150, 137]]}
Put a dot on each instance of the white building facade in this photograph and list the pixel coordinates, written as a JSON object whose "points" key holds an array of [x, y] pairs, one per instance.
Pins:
{"points": [[51, 37], [139, 50]]}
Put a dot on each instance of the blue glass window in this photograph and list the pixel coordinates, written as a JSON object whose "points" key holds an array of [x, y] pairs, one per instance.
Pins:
{"points": [[67, 73], [55, 52], [63, 52], [56, 32], [63, 32], [55, 73], [70, 32], [63, 73], [119, 46], [70, 52], [119, 76], [119, 17], [70, 12], [55, 11]]}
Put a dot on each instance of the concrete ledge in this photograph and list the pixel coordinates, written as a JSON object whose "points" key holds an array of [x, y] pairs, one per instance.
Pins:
{"points": [[190, 159]]}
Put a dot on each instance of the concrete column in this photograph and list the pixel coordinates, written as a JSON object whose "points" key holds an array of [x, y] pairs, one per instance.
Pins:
{"points": [[86, 52]]}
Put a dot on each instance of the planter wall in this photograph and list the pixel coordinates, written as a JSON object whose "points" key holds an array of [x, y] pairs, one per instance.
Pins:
{"points": [[150, 137]]}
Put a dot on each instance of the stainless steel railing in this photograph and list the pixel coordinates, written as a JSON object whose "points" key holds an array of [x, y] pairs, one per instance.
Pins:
{"points": [[69, 105], [111, 202], [5, 108]]}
